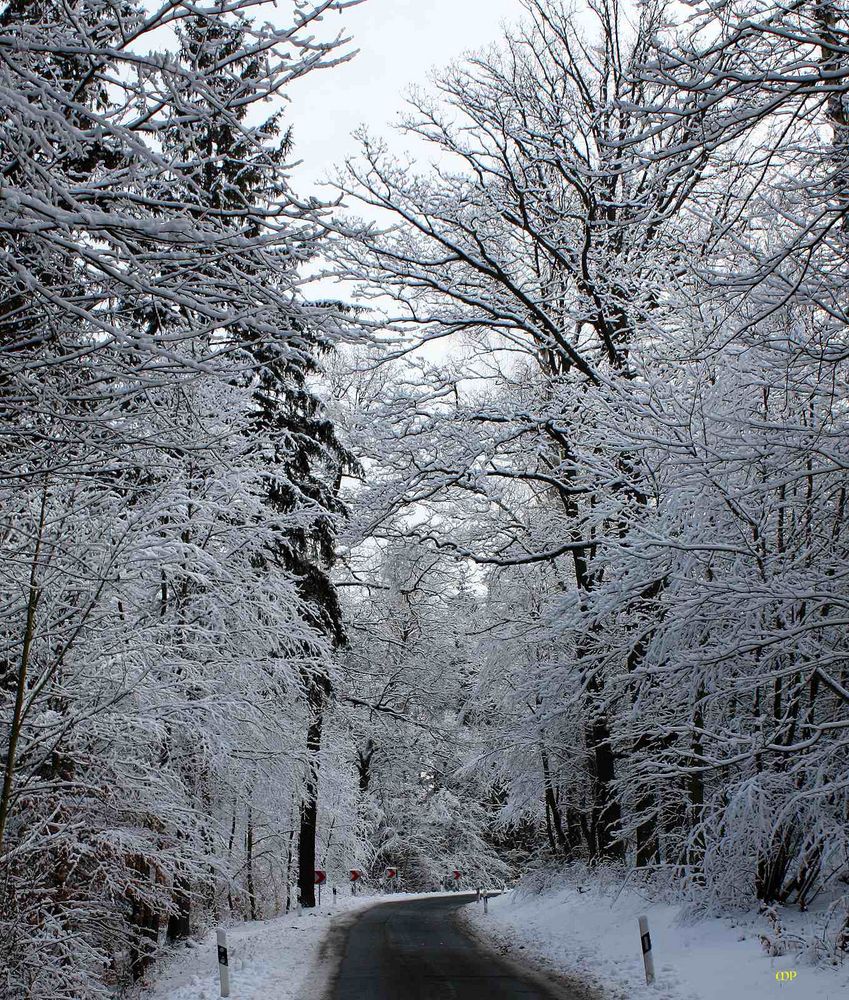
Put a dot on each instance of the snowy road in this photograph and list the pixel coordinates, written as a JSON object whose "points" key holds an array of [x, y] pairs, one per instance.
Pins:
{"points": [[416, 950]]}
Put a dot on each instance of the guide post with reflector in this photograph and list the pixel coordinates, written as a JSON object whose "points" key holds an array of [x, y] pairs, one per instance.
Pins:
{"points": [[645, 943], [223, 962]]}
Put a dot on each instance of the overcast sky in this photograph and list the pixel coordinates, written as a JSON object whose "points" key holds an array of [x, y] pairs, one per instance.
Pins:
{"points": [[400, 42]]}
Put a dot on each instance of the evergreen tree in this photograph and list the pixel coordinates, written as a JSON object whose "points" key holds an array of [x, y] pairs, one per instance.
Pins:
{"points": [[240, 166]]}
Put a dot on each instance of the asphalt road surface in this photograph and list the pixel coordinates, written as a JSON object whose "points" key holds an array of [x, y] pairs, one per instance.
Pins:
{"points": [[416, 950]]}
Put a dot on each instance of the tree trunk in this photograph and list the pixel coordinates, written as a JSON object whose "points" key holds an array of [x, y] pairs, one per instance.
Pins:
{"points": [[364, 766], [697, 785], [21, 680], [607, 813], [230, 858], [318, 692], [249, 864], [552, 808]]}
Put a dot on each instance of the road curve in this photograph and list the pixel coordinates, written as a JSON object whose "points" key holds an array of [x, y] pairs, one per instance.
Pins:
{"points": [[416, 950]]}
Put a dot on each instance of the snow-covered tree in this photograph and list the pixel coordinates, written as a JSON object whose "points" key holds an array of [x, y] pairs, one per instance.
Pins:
{"points": [[167, 481], [637, 232]]}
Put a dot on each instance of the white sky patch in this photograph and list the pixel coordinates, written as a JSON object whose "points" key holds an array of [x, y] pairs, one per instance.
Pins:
{"points": [[400, 42]]}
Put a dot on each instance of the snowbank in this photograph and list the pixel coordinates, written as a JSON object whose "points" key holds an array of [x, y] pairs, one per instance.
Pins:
{"points": [[594, 936], [288, 958], [279, 959]]}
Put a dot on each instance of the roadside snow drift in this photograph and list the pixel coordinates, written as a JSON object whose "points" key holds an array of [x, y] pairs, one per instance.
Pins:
{"points": [[594, 936], [281, 959], [288, 958]]}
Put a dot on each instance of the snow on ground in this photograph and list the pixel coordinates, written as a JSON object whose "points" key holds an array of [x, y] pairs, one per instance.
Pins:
{"points": [[269, 959], [593, 936], [287, 958]]}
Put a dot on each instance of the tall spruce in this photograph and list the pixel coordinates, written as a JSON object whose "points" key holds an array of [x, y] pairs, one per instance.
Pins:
{"points": [[240, 166]]}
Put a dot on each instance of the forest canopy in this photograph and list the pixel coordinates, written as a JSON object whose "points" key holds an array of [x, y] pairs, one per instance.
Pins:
{"points": [[528, 550]]}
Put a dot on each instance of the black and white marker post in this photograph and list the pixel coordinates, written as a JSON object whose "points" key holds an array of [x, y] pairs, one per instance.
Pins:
{"points": [[645, 942], [223, 963]]}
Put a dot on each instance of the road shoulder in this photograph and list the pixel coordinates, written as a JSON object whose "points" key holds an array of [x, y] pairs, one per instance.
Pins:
{"points": [[502, 945]]}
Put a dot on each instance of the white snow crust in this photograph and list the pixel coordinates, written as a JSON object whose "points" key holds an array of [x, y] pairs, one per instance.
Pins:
{"points": [[593, 936]]}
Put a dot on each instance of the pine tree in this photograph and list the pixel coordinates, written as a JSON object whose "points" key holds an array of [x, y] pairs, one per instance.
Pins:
{"points": [[241, 166]]}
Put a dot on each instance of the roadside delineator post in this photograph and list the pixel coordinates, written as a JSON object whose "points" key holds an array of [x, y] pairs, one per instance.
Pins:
{"points": [[645, 943], [485, 903], [223, 962], [479, 895]]}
